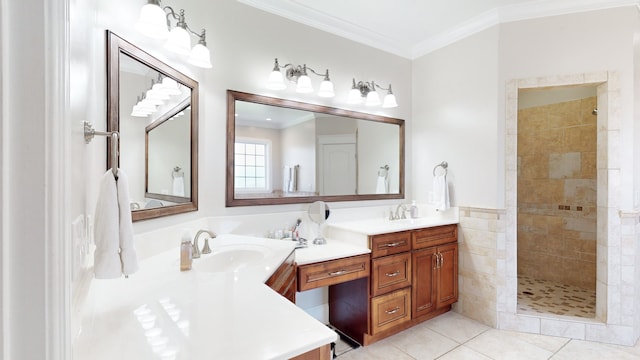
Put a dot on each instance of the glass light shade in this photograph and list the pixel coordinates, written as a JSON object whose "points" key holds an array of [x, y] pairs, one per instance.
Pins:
{"points": [[170, 86], [304, 85], [276, 81], [200, 56], [389, 101], [146, 107], [354, 97], [152, 22], [179, 41], [326, 89], [139, 113], [373, 99], [158, 94], [150, 99]]}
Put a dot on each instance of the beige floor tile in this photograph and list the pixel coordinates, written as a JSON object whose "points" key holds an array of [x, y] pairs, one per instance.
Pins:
{"points": [[507, 345], [456, 327], [586, 350], [463, 353], [549, 343], [382, 350], [423, 343]]}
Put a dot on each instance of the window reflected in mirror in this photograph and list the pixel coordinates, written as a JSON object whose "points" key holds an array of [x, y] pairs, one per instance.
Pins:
{"points": [[286, 152]]}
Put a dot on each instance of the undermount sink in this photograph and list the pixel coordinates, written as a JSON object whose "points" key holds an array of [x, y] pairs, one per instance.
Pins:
{"points": [[232, 258], [240, 254]]}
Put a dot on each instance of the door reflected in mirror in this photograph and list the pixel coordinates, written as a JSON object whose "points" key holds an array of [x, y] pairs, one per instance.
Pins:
{"points": [[282, 151]]}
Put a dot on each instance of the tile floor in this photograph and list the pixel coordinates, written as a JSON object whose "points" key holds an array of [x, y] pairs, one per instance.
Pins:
{"points": [[452, 336], [543, 296]]}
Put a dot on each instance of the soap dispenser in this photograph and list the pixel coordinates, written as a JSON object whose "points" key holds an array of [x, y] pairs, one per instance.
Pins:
{"points": [[186, 258], [413, 210]]}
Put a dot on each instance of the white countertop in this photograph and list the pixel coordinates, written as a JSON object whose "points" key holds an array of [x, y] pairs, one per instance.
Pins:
{"points": [[333, 249], [383, 226], [162, 313]]}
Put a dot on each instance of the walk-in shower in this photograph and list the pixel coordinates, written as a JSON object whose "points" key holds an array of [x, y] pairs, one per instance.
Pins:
{"points": [[556, 201]]}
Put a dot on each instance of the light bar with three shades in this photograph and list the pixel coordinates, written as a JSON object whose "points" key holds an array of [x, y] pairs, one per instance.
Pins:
{"points": [[154, 22], [360, 92]]}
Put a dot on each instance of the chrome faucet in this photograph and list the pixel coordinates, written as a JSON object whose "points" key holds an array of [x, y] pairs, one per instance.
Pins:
{"points": [[195, 253]]}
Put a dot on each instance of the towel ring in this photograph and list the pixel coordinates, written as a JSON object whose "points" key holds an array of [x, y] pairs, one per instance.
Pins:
{"points": [[444, 165]]}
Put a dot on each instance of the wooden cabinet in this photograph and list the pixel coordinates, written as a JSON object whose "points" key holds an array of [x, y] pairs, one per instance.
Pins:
{"points": [[414, 277], [283, 280], [321, 353], [435, 278]]}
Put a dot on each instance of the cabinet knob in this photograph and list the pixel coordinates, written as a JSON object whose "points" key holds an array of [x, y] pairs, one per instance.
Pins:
{"points": [[395, 273]]}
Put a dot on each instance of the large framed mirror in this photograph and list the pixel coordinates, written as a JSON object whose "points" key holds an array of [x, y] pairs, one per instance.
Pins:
{"points": [[158, 147], [284, 152]]}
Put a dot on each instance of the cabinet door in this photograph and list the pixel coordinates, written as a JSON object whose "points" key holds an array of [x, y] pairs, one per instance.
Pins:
{"points": [[424, 281], [447, 275]]}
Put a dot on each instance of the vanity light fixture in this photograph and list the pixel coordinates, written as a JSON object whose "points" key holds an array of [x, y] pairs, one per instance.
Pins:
{"points": [[299, 75], [367, 90], [154, 21], [159, 92]]}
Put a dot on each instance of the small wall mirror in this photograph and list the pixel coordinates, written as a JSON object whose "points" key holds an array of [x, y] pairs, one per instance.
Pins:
{"points": [[282, 152], [159, 142]]}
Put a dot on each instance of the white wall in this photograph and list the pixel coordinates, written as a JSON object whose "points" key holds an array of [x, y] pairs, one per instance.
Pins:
{"points": [[459, 95], [298, 148], [455, 119]]}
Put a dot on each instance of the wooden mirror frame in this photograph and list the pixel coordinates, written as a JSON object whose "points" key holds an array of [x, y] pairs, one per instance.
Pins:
{"points": [[231, 200], [115, 47]]}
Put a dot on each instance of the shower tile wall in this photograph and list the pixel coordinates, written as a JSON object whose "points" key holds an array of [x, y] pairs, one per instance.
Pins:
{"points": [[557, 192]]}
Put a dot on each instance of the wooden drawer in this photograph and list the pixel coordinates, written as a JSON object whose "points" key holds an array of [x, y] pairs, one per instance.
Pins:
{"points": [[390, 310], [388, 244], [390, 273], [434, 236], [331, 272]]}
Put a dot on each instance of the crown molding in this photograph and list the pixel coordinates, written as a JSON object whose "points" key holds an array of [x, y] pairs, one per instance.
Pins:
{"points": [[297, 12]]}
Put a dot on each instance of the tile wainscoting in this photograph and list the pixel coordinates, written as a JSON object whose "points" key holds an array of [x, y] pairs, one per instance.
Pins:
{"points": [[486, 294]]}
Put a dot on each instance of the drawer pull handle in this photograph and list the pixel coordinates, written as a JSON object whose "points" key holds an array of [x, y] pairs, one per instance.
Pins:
{"points": [[396, 273], [393, 311], [393, 244], [336, 273]]}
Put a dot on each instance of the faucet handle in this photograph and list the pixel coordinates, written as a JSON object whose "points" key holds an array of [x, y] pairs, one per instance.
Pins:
{"points": [[206, 249]]}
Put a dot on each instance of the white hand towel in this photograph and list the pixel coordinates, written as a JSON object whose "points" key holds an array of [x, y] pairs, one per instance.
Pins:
{"points": [[113, 230], [440, 192], [178, 186], [128, 255], [381, 185]]}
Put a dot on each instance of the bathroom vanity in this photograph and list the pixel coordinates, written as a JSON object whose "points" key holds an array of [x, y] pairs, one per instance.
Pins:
{"points": [[221, 309], [410, 275]]}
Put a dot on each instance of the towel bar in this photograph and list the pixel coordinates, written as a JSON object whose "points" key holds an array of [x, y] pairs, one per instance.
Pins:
{"points": [[443, 165], [90, 132]]}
